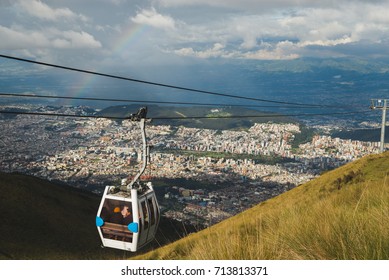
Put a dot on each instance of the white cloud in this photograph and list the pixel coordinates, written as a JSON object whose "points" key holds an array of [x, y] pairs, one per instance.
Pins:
{"points": [[288, 35], [377, 14], [327, 43], [282, 51], [276, 54], [19, 38], [247, 29], [321, 26], [216, 51], [152, 18], [75, 40], [258, 5], [43, 11]]}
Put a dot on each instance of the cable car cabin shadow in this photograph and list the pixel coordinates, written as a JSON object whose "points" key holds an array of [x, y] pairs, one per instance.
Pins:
{"points": [[128, 220]]}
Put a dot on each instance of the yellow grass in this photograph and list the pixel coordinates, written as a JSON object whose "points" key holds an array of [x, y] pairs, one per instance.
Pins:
{"points": [[343, 214]]}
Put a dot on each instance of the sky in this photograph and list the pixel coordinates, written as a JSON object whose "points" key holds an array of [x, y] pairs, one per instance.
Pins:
{"points": [[136, 36], [119, 31]]}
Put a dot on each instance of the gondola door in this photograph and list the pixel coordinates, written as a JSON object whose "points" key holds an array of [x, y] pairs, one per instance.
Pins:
{"points": [[148, 218], [153, 207], [144, 222]]}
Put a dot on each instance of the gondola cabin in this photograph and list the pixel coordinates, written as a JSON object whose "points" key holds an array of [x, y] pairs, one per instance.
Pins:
{"points": [[128, 220], [128, 216]]}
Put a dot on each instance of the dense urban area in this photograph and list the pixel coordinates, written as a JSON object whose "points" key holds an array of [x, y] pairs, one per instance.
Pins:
{"points": [[201, 176]]}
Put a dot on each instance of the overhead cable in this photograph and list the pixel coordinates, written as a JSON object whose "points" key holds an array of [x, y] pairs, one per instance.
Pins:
{"points": [[181, 118], [162, 84]]}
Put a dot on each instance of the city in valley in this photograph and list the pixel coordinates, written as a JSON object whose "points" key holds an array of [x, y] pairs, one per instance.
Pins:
{"points": [[201, 176]]}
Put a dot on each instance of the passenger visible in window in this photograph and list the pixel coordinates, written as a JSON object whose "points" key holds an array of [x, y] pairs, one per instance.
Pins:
{"points": [[127, 216], [116, 217]]}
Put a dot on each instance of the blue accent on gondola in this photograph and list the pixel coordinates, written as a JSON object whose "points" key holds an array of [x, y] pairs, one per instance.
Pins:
{"points": [[133, 227], [99, 221]]}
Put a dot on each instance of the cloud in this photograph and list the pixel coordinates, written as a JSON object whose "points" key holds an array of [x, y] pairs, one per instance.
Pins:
{"points": [[230, 29], [152, 18], [216, 51], [75, 40], [43, 11], [16, 39], [276, 54], [327, 43], [37, 29], [260, 6], [246, 34], [19, 38], [282, 51]]}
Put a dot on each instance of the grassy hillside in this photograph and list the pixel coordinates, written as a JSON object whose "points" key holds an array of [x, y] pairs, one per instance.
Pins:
{"points": [[40, 220], [343, 214]]}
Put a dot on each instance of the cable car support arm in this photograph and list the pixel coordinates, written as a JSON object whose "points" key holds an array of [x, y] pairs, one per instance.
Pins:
{"points": [[140, 117]]}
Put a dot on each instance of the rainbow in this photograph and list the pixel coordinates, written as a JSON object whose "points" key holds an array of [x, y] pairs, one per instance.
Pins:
{"points": [[128, 38]]}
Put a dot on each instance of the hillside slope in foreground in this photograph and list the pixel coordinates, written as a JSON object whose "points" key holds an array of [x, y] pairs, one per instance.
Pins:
{"points": [[343, 214], [43, 220]]}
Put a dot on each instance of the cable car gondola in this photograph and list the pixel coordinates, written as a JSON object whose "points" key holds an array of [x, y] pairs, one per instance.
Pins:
{"points": [[128, 216]]}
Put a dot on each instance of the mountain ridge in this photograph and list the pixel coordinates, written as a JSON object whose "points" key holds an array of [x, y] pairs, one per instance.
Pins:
{"points": [[189, 116]]}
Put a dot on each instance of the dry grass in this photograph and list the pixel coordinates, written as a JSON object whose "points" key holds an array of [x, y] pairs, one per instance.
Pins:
{"points": [[344, 214]]}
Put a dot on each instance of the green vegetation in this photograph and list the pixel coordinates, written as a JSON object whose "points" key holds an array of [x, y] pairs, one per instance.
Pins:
{"points": [[371, 135], [304, 136], [344, 214]]}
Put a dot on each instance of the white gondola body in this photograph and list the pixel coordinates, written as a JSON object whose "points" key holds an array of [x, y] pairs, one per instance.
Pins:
{"points": [[143, 227]]}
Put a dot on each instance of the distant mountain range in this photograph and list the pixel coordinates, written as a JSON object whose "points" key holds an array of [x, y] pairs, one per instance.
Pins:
{"points": [[199, 117], [304, 65], [343, 84]]}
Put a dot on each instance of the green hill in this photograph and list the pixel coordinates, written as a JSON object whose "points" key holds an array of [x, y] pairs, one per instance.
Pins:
{"points": [[186, 114], [372, 135], [344, 214]]}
